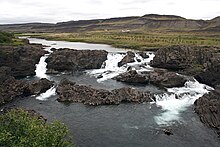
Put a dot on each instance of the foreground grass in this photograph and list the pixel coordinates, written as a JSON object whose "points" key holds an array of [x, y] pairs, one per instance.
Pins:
{"points": [[139, 41], [20, 128]]}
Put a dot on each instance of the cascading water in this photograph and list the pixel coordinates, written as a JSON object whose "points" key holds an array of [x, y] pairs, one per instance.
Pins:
{"points": [[110, 67], [47, 94], [172, 103], [177, 100], [124, 124], [41, 69]]}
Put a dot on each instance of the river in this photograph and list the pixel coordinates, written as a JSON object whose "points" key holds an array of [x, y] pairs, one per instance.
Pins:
{"points": [[124, 124]]}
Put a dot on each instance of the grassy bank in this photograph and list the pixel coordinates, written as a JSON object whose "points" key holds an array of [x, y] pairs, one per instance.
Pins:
{"points": [[139, 41], [10, 39]]}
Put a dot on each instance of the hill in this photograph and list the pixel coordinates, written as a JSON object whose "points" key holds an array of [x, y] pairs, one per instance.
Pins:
{"points": [[150, 22]]}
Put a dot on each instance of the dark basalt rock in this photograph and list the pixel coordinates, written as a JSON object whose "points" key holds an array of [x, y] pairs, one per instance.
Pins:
{"points": [[211, 75], [164, 78], [11, 88], [168, 131], [21, 59], [69, 60], [208, 108], [71, 92], [159, 77], [186, 59], [129, 58], [40, 86], [132, 77], [143, 55]]}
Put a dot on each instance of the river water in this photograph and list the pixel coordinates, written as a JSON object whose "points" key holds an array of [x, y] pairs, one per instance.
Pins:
{"points": [[124, 124]]}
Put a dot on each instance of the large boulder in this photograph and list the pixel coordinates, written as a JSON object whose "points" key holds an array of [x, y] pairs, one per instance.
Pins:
{"points": [[132, 77], [211, 75], [189, 60], [164, 78], [129, 58], [73, 60], [158, 77], [21, 59], [40, 86], [208, 108], [143, 55], [71, 92]]}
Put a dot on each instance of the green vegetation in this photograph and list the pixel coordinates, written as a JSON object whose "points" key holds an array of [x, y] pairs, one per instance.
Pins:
{"points": [[139, 41], [10, 39], [20, 128]]}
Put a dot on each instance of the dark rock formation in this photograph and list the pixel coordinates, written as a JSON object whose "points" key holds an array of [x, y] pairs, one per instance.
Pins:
{"points": [[187, 59], [168, 131], [129, 58], [40, 86], [72, 60], [164, 78], [159, 77], [143, 55], [211, 75], [21, 59], [132, 77], [208, 108], [11, 88], [72, 92]]}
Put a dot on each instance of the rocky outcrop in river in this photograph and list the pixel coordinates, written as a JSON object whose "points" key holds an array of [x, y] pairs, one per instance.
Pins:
{"points": [[211, 74], [71, 92], [132, 77], [159, 77], [21, 59], [208, 108], [70, 60], [129, 58], [201, 62], [11, 88], [40, 86]]}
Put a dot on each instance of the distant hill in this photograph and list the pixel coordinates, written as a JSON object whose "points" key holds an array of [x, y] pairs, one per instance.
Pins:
{"points": [[148, 22]]}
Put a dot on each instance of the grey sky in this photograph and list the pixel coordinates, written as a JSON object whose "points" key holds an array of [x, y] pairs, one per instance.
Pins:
{"points": [[20, 11]]}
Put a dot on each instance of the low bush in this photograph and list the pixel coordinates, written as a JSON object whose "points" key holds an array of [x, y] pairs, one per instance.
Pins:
{"points": [[21, 128]]}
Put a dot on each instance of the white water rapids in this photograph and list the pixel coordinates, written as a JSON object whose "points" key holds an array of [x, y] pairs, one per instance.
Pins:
{"points": [[172, 103]]}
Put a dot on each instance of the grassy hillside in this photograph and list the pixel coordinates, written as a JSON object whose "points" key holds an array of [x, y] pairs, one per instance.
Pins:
{"points": [[139, 41], [150, 22], [146, 32]]}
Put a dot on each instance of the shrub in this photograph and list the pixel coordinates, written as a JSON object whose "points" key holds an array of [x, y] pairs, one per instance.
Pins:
{"points": [[20, 128], [6, 37]]}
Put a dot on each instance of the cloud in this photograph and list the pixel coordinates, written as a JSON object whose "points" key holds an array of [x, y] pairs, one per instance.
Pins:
{"points": [[19, 11]]}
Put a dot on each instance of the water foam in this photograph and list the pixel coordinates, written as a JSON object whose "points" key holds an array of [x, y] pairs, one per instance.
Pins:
{"points": [[110, 67], [44, 96], [177, 100]]}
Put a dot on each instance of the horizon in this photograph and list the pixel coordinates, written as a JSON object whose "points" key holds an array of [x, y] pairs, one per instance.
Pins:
{"points": [[49, 11], [102, 19]]}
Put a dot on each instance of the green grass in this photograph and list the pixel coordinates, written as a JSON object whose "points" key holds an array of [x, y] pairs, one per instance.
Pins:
{"points": [[20, 128], [138, 41], [10, 39]]}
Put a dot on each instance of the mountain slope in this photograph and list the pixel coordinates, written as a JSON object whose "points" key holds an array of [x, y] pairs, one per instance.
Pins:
{"points": [[136, 23]]}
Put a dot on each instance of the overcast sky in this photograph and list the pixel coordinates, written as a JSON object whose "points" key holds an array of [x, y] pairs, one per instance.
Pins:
{"points": [[20, 11]]}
